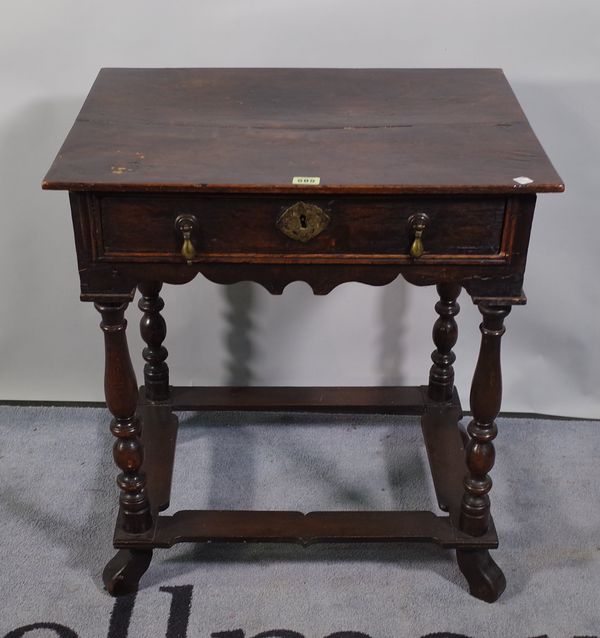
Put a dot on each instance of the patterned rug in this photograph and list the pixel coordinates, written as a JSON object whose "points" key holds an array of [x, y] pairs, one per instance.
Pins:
{"points": [[58, 505]]}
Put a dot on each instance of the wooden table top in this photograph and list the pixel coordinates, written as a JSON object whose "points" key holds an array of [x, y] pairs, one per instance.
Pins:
{"points": [[254, 130]]}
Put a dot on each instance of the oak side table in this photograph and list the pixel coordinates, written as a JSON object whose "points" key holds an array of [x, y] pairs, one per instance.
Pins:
{"points": [[319, 175]]}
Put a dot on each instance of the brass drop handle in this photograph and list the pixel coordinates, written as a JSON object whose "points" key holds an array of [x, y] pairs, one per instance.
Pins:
{"points": [[418, 223], [187, 226]]}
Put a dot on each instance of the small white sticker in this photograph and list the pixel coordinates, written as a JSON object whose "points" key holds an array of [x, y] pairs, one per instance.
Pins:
{"points": [[307, 181], [523, 181]]}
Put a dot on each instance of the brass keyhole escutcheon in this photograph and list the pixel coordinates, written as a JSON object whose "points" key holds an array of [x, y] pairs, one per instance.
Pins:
{"points": [[417, 224], [303, 221], [186, 227]]}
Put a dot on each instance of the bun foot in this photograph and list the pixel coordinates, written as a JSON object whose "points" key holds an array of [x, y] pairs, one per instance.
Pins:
{"points": [[485, 578], [123, 572]]}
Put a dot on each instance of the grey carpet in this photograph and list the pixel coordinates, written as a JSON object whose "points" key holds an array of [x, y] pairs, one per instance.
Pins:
{"points": [[57, 510]]}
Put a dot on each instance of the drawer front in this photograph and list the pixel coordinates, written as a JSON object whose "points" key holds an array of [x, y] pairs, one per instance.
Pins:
{"points": [[281, 227]]}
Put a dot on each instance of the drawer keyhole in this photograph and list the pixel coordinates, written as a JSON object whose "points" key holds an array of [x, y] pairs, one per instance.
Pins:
{"points": [[302, 221]]}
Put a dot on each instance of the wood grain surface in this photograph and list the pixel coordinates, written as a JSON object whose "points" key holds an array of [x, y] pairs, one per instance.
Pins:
{"points": [[358, 130]]}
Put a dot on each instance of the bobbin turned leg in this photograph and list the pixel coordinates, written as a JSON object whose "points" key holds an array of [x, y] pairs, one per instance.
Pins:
{"points": [[123, 572], [445, 334], [154, 330], [486, 580]]}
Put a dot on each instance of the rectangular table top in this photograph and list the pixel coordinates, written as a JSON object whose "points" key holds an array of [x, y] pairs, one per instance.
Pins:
{"points": [[255, 130]]}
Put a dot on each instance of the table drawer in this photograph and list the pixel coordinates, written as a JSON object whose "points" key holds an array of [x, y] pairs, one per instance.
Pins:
{"points": [[222, 228]]}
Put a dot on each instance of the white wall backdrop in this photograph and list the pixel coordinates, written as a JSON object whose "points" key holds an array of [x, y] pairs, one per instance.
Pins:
{"points": [[50, 52]]}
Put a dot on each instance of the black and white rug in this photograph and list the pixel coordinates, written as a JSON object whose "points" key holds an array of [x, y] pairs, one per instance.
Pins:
{"points": [[58, 503]]}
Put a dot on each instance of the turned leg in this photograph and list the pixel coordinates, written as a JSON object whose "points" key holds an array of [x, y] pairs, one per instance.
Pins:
{"points": [[120, 387], [445, 334], [486, 396], [154, 330], [485, 579]]}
